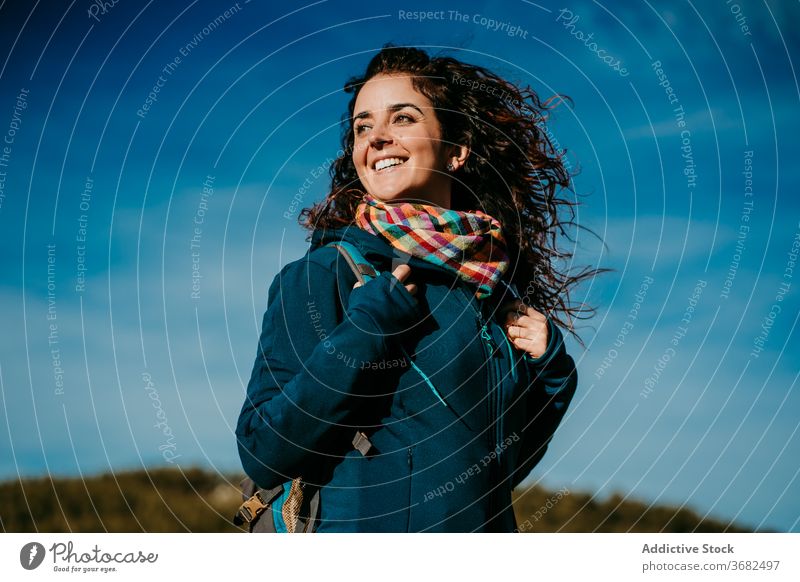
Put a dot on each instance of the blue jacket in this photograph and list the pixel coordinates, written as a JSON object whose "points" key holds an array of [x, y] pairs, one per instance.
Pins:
{"points": [[454, 428]]}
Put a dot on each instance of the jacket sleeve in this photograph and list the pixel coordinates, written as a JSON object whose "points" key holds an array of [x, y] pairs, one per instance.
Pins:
{"points": [[305, 382], [553, 382]]}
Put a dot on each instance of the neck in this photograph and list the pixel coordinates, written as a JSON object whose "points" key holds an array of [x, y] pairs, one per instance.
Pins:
{"points": [[441, 199]]}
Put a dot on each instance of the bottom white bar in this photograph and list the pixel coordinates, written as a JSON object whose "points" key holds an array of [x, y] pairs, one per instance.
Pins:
{"points": [[354, 557]]}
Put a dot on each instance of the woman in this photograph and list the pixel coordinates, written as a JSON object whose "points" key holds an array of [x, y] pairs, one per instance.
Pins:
{"points": [[454, 380]]}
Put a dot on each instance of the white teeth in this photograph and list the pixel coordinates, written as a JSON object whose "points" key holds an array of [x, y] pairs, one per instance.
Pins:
{"points": [[387, 163]]}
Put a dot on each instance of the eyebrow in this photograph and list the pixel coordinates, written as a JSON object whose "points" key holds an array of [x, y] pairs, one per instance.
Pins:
{"points": [[391, 108]]}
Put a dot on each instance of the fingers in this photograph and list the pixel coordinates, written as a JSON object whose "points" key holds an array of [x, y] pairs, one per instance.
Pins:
{"points": [[526, 328], [534, 347], [529, 339], [517, 312], [535, 332], [401, 273], [532, 322]]}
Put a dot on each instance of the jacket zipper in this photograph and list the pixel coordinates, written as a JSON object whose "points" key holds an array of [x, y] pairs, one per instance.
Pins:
{"points": [[494, 400], [494, 403], [494, 380], [495, 387], [410, 491]]}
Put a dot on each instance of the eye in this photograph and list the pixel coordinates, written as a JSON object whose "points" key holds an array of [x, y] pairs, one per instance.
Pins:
{"points": [[404, 118], [361, 128]]}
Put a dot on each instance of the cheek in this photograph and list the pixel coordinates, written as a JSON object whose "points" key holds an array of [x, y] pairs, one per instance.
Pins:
{"points": [[359, 157], [424, 146], [360, 154]]}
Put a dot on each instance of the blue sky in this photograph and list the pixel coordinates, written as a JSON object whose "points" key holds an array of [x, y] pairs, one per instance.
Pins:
{"points": [[251, 110]]}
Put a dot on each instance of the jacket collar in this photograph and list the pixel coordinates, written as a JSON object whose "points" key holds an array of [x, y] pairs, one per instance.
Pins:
{"points": [[380, 253], [375, 249]]}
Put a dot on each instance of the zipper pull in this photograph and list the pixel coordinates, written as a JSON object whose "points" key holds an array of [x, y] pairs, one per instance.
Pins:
{"points": [[487, 337]]}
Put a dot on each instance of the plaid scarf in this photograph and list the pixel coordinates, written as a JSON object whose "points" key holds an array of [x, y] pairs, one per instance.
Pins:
{"points": [[469, 244]]}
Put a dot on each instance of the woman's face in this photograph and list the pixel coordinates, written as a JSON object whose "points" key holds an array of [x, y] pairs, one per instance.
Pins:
{"points": [[397, 150]]}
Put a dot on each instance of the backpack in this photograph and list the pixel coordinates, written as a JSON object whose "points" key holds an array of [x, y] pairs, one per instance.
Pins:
{"points": [[293, 506]]}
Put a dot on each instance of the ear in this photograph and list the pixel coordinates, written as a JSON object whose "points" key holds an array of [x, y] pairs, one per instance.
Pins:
{"points": [[458, 156]]}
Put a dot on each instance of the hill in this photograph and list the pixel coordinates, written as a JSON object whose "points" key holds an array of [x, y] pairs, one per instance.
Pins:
{"points": [[175, 500]]}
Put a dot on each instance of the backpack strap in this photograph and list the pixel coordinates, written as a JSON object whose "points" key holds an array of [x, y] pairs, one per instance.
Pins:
{"points": [[360, 266], [256, 501], [364, 272]]}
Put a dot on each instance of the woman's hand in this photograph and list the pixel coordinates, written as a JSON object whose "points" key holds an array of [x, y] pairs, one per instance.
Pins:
{"points": [[401, 273], [388, 301], [525, 327]]}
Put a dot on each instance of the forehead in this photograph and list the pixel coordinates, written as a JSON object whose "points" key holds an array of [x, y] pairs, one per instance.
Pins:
{"points": [[383, 91]]}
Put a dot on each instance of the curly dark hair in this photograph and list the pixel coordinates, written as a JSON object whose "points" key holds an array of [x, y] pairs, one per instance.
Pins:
{"points": [[513, 171]]}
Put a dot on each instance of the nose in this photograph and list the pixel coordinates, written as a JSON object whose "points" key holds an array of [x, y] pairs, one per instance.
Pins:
{"points": [[379, 136]]}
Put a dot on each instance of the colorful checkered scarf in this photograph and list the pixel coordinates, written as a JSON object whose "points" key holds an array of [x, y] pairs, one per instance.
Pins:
{"points": [[470, 244]]}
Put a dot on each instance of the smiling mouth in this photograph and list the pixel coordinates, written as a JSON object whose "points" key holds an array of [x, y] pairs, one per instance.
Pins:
{"points": [[387, 163]]}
